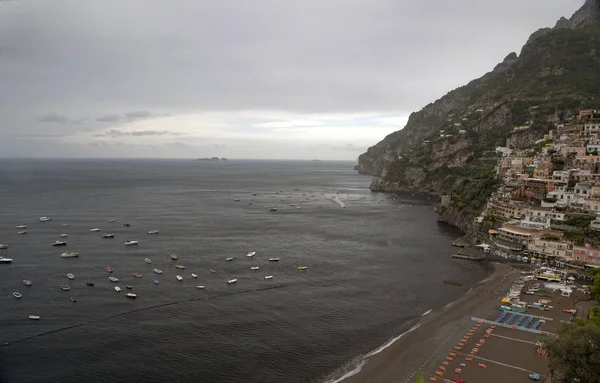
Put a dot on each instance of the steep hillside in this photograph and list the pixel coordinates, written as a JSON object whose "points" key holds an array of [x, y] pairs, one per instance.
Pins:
{"points": [[453, 139]]}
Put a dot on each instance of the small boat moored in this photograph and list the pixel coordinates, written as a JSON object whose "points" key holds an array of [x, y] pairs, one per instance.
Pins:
{"points": [[194, 275], [229, 259], [153, 232], [72, 254], [137, 275], [269, 277], [302, 267], [27, 282], [126, 225], [148, 260], [65, 287], [254, 268], [212, 271], [3, 246], [73, 299], [95, 230], [109, 269], [90, 283], [200, 287], [274, 259], [59, 243], [179, 278], [108, 235], [131, 243], [63, 235], [131, 295], [157, 271], [251, 254], [156, 281], [5, 260], [173, 257], [34, 317], [129, 287], [21, 227], [230, 281], [45, 219], [70, 276], [117, 289], [181, 267], [17, 295], [113, 279], [21, 232]]}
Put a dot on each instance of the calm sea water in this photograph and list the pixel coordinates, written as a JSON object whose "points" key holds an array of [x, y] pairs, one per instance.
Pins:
{"points": [[373, 268]]}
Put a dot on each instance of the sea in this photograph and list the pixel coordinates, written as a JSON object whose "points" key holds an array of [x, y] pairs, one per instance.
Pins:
{"points": [[375, 265]]}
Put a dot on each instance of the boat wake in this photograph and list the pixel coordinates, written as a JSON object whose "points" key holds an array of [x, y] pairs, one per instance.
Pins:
{"points": [[337, 200], [427, 312]]}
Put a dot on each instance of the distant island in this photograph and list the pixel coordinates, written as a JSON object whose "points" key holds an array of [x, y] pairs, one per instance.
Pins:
{"points": [[211, 159]]}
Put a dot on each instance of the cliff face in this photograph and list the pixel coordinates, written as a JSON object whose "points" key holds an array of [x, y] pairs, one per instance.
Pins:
{"points": [[453, 138]]}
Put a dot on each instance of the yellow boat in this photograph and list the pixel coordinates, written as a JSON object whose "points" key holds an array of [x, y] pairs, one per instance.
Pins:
{"points": [[302, 267], [180, 266]]}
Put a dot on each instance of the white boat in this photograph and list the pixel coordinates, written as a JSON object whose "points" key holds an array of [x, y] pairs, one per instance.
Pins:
{"points": [[113, 279], [17, 295], [3, 246], [27, 282], [72, 254], [230, 281], [21, 232], [229, 259], [148, 260], [200, 287], [274, 259], [131, 243], [179, 278], [251, 254], [59, 243], [70, 276], [21, 227], [34, 317], [65, 225], [63, 235], [254, 268], [108, 235], [95, 229], [111, 220], [194, 275], [131, 295], [45, 219], [5, 260], [117, 289], [157, 271], [269, 277], [153, 232]]}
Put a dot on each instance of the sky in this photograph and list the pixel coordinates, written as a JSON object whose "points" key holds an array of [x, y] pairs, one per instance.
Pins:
{"points": [[268, 79]]}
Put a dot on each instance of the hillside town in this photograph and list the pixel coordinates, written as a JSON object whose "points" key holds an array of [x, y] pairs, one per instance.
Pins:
{"points": [[548, 204]]}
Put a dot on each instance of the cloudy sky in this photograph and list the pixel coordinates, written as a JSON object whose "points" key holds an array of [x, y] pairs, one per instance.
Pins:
{"points": [[295, 79]]}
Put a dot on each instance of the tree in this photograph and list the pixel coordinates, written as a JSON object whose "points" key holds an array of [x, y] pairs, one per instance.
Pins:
{"points": [[575, 353]]}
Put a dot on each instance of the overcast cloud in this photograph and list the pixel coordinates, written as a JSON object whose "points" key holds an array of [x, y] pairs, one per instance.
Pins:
{"points": [[241, 79]]}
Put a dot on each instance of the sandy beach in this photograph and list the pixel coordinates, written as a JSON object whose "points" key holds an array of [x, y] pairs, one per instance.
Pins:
{"points": [[424, 348]]}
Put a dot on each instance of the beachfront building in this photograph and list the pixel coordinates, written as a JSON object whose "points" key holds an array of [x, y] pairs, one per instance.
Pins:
{"points": [[540, 247], [586, 254], [525, 231]]}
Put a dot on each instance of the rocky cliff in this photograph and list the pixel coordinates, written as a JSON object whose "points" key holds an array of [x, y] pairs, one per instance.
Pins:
{"points": [[454, 138]]}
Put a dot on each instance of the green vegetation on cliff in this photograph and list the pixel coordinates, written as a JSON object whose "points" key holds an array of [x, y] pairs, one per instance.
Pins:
{"points": [[445, 145]]}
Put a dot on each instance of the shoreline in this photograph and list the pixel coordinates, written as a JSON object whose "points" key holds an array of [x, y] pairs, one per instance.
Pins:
{"points": [[418, 348]]}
